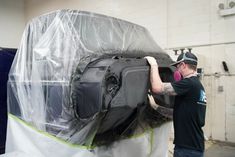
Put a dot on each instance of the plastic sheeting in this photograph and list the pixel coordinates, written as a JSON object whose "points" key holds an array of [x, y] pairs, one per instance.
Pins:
{"points": [[52, 46], [153, 143]]}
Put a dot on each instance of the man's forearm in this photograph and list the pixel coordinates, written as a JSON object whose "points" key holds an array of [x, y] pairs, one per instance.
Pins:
{"points": [[167, 112], [156, 82], [158, 86]]}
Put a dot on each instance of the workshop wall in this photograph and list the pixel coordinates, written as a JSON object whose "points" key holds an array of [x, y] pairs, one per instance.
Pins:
{"points": [[12, 22]]}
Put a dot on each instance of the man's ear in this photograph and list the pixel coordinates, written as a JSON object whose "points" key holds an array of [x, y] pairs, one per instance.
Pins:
{"points": [[184, 65]]}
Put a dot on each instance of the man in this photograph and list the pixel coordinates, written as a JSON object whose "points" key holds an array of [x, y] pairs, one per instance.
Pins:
{"points": [[190, 104]]}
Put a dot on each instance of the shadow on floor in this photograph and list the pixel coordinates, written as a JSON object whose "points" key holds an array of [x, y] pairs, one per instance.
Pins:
{"points": [[212, 149], [219, 149]]}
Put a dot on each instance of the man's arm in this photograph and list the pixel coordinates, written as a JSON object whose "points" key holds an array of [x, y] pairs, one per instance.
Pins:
{"points": [[168, 89], [167, 112], [156, 83]]}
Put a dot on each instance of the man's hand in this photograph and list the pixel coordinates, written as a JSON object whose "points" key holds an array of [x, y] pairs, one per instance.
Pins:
{"points": [[152, 102], [151, 60]]}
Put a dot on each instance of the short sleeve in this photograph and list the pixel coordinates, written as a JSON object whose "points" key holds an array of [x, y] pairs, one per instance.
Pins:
{"points": [[182, 87]]}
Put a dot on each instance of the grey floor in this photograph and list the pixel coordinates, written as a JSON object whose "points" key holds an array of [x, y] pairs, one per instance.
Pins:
{"points": [[219, 149], [213, 149]]}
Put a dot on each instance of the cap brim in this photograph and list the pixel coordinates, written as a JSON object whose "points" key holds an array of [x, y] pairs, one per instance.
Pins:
{"points": [[175, 64]]}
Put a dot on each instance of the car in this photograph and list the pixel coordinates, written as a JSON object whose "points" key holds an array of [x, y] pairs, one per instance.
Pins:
{"points": [[82, 77]]}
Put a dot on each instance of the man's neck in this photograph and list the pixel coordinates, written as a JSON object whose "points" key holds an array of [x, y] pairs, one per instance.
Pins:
{"points": [[190, 74]]}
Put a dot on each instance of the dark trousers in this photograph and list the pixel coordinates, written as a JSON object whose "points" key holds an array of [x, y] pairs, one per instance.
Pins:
{"points": [[184, 152]]}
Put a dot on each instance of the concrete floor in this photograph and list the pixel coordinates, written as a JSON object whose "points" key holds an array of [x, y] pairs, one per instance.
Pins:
{"points": [[213, 149], [219, 149]]}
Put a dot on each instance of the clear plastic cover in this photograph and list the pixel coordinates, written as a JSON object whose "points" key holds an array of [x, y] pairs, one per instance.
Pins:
{"points": [[52, 47]]}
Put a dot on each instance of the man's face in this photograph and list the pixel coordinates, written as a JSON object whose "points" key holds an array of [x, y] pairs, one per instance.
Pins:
{"points": [[178, 72], [179, 66]]}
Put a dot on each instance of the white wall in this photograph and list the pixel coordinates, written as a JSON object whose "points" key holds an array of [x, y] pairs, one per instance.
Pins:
{"points": [[12, 22], [175, 24], [197, 24]]}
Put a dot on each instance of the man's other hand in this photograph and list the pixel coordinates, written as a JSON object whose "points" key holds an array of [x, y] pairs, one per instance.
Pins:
{"points": [[152, 102]]}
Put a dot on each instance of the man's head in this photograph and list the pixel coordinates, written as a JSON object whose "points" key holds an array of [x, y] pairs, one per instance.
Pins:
{"points": [[186, 63], [188, 58]]}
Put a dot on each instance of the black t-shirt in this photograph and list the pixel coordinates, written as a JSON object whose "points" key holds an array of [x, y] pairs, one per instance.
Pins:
{"points": [[189, 113]]}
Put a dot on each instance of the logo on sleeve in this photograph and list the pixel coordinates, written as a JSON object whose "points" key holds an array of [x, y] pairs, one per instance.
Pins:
{"points": [[202, 99]]}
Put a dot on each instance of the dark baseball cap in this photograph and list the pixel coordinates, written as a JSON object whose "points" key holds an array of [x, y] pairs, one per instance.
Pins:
{"points": [[188, 58]]}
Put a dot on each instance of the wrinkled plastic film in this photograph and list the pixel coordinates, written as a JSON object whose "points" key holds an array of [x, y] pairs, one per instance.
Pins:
{"points": [[53, 47]]}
